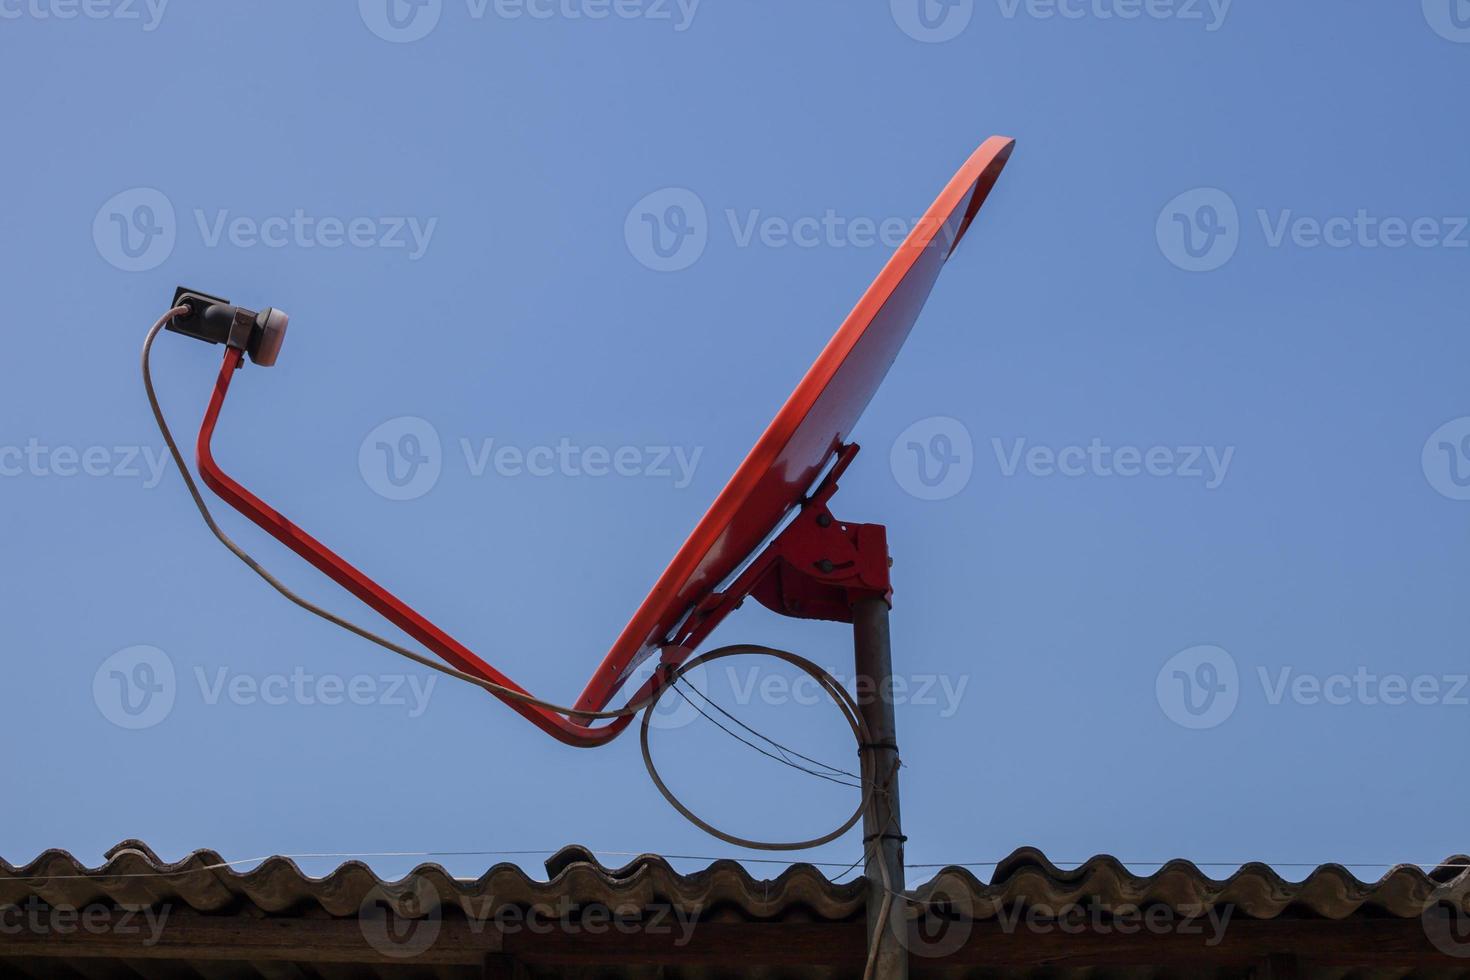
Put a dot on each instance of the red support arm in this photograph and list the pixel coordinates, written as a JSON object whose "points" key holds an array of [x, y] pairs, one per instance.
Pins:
{"points": [[370, 592]]}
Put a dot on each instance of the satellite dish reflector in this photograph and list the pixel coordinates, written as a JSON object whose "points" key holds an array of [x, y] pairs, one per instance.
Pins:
{"points": [[810, 428]]}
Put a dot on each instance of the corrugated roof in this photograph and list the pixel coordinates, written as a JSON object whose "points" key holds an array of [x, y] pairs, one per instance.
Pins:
{"points": [[1330, 891], [134, 875], [274, 920]]}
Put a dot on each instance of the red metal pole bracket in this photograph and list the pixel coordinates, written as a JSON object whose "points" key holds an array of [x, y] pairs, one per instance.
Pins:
{"points": [[817, 568], [820, 568]]}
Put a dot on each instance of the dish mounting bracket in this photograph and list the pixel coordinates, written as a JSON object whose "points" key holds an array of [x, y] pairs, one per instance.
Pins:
{"points": [[818, 567]]}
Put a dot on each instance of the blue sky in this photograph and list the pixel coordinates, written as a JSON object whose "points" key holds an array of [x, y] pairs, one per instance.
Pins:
{"points": [[1180, 554]]}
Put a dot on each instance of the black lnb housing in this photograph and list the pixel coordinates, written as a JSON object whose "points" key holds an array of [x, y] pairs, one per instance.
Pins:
{"points": [[212, 319]]}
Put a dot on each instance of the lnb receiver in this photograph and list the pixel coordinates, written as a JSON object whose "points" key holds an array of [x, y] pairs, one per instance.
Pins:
{"points": [[214, 320]]}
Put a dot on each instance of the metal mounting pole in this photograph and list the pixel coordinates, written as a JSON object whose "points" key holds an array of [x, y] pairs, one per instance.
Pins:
{"points": [[882, 829]]}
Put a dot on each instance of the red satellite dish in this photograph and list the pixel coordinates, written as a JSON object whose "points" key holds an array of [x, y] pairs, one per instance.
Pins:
{"points": [[727, 557], [810, 428]]}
